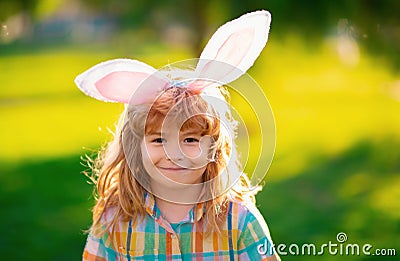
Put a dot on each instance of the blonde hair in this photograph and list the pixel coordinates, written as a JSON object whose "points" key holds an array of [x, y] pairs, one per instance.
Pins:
{"points": [[113, 169]]}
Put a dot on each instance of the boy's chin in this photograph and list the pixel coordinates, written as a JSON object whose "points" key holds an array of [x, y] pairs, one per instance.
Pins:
{"points": [[176, 184]]}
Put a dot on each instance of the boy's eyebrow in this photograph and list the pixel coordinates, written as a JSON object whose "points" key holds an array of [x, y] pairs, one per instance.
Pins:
{"points": [[154, 133], [191, 132], [187, 132]]}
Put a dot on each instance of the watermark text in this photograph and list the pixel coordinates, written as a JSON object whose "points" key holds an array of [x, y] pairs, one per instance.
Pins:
{"points": [[338, 247]]}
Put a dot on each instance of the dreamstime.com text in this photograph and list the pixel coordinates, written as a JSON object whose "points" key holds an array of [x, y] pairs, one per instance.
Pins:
{"points": [[330, 248]]}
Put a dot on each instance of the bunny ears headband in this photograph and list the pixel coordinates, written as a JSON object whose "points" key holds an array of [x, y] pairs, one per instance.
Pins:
{"points": [[230, 52]]}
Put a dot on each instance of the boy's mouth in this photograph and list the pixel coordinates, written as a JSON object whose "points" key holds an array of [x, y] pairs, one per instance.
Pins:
{"points": [[172, 168]]}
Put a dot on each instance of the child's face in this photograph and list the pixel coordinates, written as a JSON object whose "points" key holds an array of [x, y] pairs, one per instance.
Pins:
{"points": [[181, 156]]}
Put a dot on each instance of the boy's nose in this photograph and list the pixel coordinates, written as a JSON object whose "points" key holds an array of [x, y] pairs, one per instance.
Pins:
{"points": [[173, 152]]}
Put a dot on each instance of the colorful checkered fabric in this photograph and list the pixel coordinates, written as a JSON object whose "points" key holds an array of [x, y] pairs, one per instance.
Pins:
{"points": [[244, 236]]}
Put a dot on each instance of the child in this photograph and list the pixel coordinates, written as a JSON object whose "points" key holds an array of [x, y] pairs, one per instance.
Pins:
{"points": [[169, 185]]}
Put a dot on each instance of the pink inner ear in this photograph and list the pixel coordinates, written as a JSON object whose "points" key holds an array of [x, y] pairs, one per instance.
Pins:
{"points": [[119, 86], [232, 52], [236, 46]]}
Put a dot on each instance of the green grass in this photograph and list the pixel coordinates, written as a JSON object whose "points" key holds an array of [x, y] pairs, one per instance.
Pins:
{"points": [[336, 166], [355, 192], [45, 209]]}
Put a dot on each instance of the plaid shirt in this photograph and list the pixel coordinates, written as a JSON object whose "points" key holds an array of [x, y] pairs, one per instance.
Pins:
{"points": [[244, 236]]}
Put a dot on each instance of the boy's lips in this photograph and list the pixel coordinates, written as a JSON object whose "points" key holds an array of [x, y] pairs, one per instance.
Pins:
{"points": [[172, 168]]}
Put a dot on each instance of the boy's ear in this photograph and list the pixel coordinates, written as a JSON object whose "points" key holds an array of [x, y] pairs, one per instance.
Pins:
{"points": [[234, 47], [117, 80]]}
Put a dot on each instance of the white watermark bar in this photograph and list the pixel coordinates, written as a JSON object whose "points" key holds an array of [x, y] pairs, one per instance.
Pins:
{"points": [[339, 247]]}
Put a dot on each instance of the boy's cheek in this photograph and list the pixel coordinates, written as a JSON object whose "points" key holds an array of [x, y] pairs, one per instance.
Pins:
{"points": [[192, 152], [200, 161], [150, 151]]}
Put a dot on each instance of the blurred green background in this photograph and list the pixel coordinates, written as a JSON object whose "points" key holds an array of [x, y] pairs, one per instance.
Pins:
{"points": [[330, 71]]}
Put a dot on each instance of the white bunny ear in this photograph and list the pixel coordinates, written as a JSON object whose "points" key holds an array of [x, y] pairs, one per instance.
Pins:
{"points": [[237, 44], [117, 80]]}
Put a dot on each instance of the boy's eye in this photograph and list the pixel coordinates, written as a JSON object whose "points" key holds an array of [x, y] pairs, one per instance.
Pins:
{"points": [[158, 140], [191, 140]]}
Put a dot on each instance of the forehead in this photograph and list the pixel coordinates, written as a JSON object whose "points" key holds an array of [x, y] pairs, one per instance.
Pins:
{"points": [[195, 124], [164, 127]]}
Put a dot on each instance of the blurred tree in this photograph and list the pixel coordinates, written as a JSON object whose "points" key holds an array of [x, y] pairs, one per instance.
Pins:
{"points": [[372, 23], [157, 15], [9, 8]]}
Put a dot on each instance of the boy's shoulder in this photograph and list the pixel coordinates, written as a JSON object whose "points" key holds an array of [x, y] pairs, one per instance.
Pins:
{"points": [[108, 214], [243, 208], [245, 215]]}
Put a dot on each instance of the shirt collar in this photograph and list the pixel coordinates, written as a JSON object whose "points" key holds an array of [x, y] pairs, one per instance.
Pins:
{"points": [[194, 215]]}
